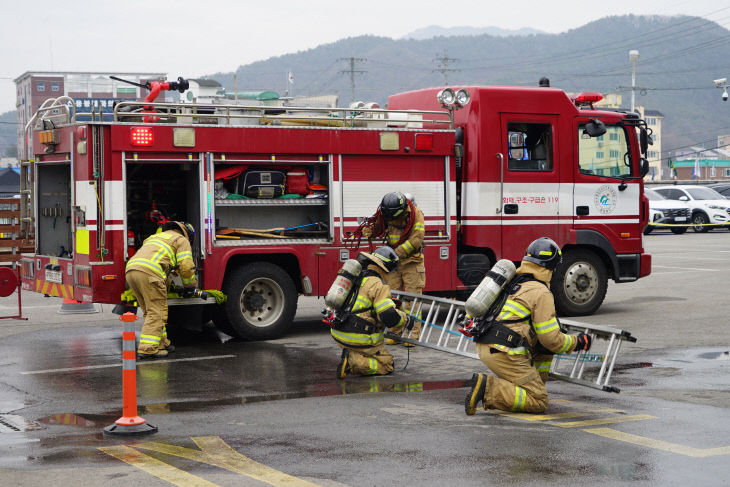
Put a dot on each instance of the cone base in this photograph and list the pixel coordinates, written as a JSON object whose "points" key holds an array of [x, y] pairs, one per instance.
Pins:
{"points": [[130, 429]]}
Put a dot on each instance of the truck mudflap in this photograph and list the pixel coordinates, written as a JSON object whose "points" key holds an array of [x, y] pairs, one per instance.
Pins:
{"points": [[645, 265]]}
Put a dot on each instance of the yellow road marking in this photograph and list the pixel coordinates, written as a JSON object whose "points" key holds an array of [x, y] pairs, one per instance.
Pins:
{"points": [[594, 422], [155, 467], [658, 444], [546, 417], [214, 451]]}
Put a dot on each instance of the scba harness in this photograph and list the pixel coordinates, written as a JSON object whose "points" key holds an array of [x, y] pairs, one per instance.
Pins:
{"points": [[487, 329], [345, 320]]}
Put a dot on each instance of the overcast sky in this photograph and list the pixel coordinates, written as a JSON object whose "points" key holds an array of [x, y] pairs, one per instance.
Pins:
{"points": [[191, 38]]}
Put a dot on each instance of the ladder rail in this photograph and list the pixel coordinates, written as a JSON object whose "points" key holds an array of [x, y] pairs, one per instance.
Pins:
{"points": [[438, 335]]}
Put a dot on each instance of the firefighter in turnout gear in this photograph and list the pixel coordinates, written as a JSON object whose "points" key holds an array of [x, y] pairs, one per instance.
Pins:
{"points": [[401, 222], [147, 275], [530, 335], [367, 311]]}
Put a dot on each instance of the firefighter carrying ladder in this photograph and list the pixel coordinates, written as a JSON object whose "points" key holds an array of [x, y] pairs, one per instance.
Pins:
{"points": [[440, 331]]}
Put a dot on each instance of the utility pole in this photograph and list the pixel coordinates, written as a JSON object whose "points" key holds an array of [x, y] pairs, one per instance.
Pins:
{"points": [[634, 58], [444, 68], [352, 71]]}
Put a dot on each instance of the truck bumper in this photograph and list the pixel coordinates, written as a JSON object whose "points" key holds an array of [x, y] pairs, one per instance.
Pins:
{"points": [[632, 267]]}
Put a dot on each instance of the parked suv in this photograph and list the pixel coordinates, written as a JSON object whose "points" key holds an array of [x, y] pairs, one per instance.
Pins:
{"points": [[663, 211], [709, 208]]}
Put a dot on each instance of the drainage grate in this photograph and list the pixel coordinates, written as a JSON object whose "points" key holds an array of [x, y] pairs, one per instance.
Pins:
{"points": [[12, 423]]}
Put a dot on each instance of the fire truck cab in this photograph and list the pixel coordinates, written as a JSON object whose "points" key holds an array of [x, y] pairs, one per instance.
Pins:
{"points": [[275, 193]]}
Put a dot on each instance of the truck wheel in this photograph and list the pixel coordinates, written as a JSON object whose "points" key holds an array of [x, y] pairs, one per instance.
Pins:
{"points": [[261, 301], [679, 230], [699, 220], [579, 283], [648, 229]]}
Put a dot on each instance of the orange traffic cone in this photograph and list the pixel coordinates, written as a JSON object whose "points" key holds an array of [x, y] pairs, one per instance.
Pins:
{"points": [[129, 424]]}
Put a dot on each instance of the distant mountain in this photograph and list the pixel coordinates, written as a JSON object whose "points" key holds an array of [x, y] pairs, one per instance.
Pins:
{"points": [[679, 58], [436, 31]]}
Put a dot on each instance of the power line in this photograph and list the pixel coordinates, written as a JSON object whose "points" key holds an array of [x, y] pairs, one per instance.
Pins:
{"points": [[352, 71], [443, 68]]}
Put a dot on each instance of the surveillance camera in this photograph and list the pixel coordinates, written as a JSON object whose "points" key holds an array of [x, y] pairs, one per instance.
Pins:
{"points": [[724, 95], [720, 81]]}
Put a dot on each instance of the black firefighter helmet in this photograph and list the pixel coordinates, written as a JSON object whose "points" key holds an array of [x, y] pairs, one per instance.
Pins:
{"points": [[544, 252], [393, 205]]}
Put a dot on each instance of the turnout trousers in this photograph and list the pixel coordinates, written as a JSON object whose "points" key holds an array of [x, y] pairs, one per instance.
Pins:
{"points": [[375, 360], [151, 294], [411, 278], [517, 386]]}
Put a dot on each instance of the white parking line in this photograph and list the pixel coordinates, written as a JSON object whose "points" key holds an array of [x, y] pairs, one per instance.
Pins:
{"points": [[687, 268], [139, 363]]}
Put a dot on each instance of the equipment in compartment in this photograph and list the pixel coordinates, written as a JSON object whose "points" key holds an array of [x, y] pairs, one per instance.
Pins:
{"points": [[310, 230], [262, 183]]}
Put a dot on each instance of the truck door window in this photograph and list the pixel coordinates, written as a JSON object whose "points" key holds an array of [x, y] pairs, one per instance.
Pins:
{"points": [[607, 155], [530, 147]]}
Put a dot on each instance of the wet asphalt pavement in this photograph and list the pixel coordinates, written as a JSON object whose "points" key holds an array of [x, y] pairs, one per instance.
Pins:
{"points": [[231, 412]]}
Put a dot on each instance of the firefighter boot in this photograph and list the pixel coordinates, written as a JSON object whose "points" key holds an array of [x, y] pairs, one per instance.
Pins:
{"points": [[344, 366], [476, 393], [390, 341], [162, 353]]}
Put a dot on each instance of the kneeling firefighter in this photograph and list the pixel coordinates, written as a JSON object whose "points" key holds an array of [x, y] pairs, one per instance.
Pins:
{"points": [[358, 326], [147, 273], [517, 338]]}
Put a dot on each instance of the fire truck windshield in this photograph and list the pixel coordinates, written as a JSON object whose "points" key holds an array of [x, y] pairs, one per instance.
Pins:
{"points": [[606, 155]]}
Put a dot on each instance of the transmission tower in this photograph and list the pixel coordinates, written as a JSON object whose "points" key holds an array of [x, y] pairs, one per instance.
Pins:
{"points": [[352, 71], [443, 66]]}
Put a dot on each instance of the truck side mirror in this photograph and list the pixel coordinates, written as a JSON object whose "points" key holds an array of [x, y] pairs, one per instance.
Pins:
{"points": [[595, 128], [644, 140], [644, 167]]}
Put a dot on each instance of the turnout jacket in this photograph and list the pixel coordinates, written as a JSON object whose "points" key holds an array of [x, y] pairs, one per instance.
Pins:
{"points": [[372, 311], [411, 249], [533, 303], [164, 252]]}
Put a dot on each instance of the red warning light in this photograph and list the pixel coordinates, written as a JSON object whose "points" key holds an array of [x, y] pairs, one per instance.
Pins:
{"points": [[424, 141], [141, 136]]}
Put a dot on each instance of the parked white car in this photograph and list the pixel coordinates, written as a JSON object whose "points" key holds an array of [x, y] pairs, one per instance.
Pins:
{"points": [[665, 214], [709, 208]]}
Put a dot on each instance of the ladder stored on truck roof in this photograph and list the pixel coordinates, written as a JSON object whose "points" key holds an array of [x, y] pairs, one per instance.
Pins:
{"points": [[440, 321]]}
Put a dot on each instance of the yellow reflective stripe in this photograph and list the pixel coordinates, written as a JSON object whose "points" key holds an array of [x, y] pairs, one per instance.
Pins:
{"points": [[146, 263], [407, 246], [510, 351], [568, 343], [519, 403], [419, 226], [187, 280], [164, 331], [384, 304], [361, 303], [393, 239], [516, 308], [358, 338], [163, 249], [184, 255], [543, 366], [373, 366], [546, 326], [149, 339]]}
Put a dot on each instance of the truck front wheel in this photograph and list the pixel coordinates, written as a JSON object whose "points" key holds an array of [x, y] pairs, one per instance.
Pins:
{"points": [[262, 301], [579, 283]]}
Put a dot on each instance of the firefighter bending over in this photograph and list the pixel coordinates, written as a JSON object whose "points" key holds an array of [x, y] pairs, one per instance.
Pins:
{"points": [[521, 360], [147, 275], [401, 222], [367, 311]]}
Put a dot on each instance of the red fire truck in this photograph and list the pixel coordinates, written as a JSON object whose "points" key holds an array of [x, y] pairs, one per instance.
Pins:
{"points": [[275, 192]]}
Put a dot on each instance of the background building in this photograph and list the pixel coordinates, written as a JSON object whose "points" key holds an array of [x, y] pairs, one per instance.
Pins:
{"points": [[88, 89]]}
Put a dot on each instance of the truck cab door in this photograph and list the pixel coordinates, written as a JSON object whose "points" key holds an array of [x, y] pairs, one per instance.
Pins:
{"points": [[530, 181], [604, 200]]}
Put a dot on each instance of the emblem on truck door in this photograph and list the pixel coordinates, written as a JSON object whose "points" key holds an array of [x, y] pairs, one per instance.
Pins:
{"points": [[605, 199]]}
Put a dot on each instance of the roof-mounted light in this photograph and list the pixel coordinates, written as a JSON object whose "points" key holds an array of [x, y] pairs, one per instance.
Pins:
{"points": [[588, 98], [462, 97], [446, 97]]}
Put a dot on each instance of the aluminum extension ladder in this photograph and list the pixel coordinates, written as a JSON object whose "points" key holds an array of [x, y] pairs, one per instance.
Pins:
{"points": [[440, 331]]}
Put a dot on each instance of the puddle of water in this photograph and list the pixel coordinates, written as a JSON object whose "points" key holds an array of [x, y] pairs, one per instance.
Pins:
{"points": [[715, 355]]}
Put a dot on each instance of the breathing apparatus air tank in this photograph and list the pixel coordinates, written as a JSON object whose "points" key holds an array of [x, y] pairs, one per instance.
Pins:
{"points": [[490, 287], [339, 290]]}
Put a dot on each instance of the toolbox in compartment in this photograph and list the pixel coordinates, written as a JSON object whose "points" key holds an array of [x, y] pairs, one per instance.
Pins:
{"points": [[256, 183]]}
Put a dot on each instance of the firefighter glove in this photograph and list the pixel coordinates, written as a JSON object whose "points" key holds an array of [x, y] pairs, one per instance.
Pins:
{"points": [[584, 342], [367, 232], [411, 321]]}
